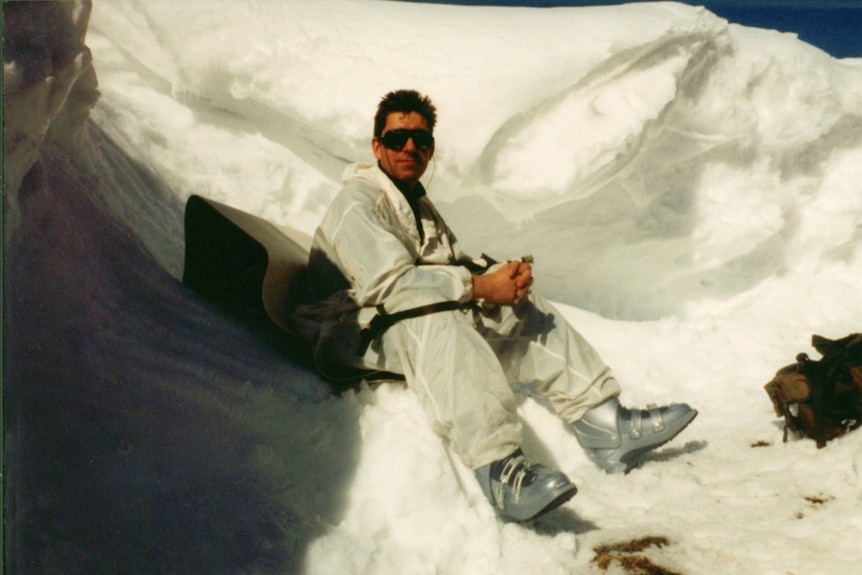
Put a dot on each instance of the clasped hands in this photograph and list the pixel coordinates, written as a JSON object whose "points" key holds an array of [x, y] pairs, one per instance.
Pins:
{"points": [[507, 285]]}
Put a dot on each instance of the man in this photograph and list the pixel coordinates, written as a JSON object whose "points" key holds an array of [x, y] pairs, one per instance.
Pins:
{"points": [[382, 249]]}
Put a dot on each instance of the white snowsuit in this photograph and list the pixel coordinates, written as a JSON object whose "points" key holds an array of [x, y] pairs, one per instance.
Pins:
{"points": [[368, 251]]}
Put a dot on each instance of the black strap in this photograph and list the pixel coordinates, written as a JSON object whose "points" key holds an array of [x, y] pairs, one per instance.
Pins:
{"points": [[824, 376], [383, 320]]}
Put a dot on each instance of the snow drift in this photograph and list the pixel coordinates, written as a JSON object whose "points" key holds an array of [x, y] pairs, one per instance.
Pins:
{"points": [[690, 190]]}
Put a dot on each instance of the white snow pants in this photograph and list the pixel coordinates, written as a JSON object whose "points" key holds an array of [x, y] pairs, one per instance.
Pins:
{"points": [[462, 363]]}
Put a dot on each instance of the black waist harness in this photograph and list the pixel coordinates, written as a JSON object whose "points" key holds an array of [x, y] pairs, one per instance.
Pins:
{"points": [[383, 320]]}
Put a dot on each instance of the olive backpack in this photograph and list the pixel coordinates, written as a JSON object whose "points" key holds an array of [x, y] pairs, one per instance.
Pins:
{"points": [[821, 399]]}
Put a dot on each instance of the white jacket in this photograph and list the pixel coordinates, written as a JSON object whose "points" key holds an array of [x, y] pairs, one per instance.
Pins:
{"points": [[368, 251]]}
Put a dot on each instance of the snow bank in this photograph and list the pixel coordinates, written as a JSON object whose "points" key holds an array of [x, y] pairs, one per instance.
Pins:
{"points": [[635, 139]]}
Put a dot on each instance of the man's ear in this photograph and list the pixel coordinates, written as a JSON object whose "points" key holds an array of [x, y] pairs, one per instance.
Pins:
{"points": [[377, 148]]}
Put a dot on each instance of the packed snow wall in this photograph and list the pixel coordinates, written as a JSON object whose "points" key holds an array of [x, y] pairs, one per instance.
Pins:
{"points": [[127, 441]]}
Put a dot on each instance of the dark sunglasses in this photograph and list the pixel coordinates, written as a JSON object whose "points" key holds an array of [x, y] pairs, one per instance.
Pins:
{"points": [[397, 139]]}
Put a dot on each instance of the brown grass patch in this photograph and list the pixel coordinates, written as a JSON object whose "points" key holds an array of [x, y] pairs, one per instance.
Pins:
{"points": [[627, 554], [818, 500]]}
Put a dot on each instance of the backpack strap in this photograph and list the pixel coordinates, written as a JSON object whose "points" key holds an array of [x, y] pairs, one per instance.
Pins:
{"points": [[822, 390], [826, 376], [383, 320]]}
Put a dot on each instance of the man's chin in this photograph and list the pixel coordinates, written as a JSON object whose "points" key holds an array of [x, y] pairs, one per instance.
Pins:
{"points": [[410, 176]]}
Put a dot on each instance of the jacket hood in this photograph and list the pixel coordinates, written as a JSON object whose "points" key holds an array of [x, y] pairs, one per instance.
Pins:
{"points": [[362, 170], [373, 175]]}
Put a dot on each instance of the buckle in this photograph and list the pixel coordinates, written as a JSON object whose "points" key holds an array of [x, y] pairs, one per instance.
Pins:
{"points": [[656, 418]]}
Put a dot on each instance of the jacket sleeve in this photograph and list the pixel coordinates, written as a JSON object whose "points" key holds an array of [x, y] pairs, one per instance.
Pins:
{"points": [[382, 269]]}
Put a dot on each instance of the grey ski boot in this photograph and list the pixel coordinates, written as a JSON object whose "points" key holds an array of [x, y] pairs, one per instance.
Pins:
{"points": [[616, 437], [521, 491]]}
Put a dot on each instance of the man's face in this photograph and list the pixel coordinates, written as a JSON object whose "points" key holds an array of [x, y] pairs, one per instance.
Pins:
{"points": [[406, 165]]}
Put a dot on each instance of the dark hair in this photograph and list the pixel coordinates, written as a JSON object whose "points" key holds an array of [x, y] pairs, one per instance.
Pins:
{"points": [[405, 101]]}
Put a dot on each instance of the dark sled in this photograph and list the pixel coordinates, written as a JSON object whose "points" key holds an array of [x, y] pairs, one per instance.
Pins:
{"points": [[257, 271]]}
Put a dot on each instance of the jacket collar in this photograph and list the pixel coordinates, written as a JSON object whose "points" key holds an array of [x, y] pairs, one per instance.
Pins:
{"points": [[397, 199]]}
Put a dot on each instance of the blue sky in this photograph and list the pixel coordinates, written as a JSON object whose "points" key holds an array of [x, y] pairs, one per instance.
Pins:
{"points": [[833, 25]]}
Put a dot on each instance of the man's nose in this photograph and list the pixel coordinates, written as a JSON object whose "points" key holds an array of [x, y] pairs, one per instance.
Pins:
{"points": [[410, 145]]}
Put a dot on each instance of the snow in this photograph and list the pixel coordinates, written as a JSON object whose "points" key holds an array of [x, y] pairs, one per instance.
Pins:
{"points": [[691, 191]]}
